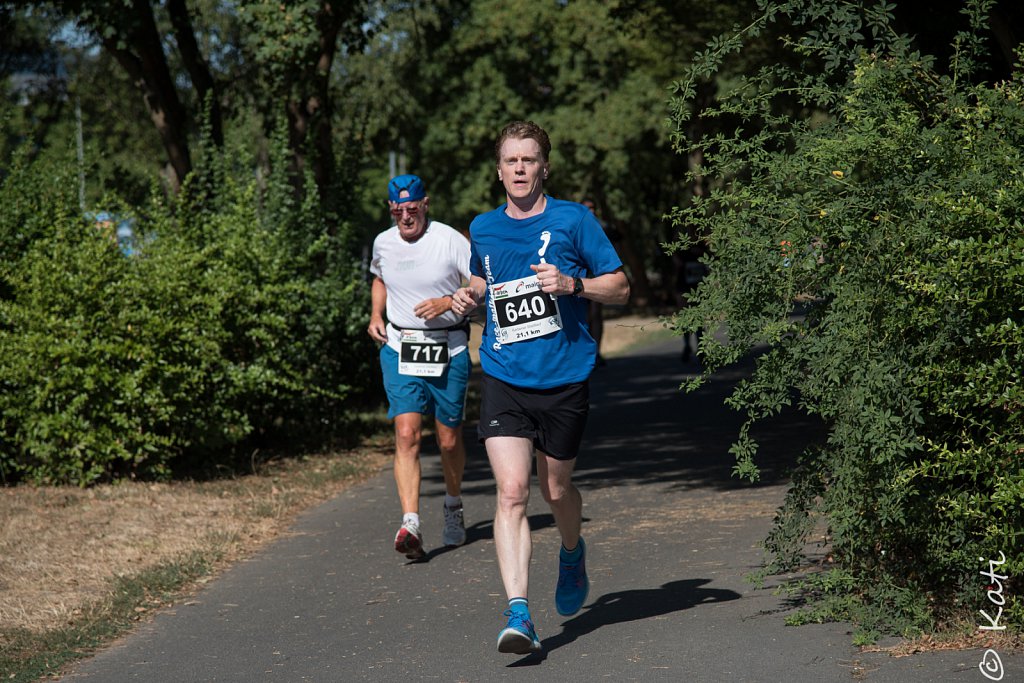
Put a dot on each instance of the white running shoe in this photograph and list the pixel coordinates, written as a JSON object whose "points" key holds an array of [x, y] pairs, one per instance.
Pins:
{"points": [[409, 542], [454, 527]]}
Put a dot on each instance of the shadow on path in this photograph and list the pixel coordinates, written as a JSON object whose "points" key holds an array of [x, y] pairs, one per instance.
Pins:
{"points": [[631, 605], [644, 429]]}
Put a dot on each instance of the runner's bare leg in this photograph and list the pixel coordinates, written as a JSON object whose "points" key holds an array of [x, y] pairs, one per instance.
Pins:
{"points": [[453, 456], [511, 459], [408, 434], [555, 477]]}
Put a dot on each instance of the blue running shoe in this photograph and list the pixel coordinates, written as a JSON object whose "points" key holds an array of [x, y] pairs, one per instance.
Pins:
{"points": [[518, 638], [573, 584]]}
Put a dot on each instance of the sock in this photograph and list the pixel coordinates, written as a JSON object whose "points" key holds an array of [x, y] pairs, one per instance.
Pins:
{"points": [[519, 606], [413, 517], [571, 555], [452, 501]]}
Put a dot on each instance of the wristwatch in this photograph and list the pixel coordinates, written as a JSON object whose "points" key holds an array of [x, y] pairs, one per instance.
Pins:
{"points": [[577, 286]]}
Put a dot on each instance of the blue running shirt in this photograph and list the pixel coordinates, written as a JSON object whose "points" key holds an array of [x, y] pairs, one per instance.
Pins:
{"points": [[566, 235]]}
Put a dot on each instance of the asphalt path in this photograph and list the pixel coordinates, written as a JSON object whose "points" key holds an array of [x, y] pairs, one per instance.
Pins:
{"points": [[671, 538]]}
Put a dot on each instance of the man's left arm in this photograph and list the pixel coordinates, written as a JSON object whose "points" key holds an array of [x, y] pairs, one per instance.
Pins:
{"points": [[610, 288]]}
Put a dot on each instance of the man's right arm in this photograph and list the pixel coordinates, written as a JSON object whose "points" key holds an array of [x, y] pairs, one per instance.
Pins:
{"points": [[378, 303]]}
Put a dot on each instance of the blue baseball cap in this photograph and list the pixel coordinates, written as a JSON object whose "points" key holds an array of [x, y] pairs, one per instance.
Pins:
{"points": [[401, 183]]}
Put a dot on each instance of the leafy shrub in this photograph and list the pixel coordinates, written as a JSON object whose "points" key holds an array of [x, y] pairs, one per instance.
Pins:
{"points": [[32, 194], [896, 221], [240, 322]]}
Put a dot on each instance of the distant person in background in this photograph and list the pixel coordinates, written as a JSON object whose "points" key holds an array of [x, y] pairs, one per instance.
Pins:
{"points": [[116, 229], [417, 264], [105, 226], [689, 273]]}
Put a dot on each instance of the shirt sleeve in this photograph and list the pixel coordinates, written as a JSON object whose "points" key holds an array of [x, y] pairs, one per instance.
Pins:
{"points": [[375, 260], [463, 253], [598, 253], [475, 266]]}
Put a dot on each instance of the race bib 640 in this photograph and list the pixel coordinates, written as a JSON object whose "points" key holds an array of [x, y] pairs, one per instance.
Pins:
{"points": [[522, 311]]}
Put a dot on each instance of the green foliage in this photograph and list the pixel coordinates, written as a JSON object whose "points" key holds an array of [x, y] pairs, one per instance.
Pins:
{"points": [[876, 248], [432, 81], [226, 330], [30, 191]]}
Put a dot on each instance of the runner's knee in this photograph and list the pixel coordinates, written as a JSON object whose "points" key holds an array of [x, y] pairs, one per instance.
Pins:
{"points": [[557, 493], [448, 441], [407, 436], [512, 495]]}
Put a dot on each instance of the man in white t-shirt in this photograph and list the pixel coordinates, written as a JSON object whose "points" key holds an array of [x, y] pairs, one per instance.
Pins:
{"points": [[417, 264]]}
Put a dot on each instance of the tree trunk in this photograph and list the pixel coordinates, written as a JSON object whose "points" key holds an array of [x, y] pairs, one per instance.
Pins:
{"points": [[311, 135], [198, 70], [149, 71]]}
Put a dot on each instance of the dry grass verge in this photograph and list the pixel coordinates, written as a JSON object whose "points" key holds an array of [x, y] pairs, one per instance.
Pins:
{"points": [[966, 637], [77, 566], [60, 546]]}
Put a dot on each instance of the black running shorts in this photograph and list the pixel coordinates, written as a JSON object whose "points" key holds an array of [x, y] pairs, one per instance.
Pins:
{"points": [[553, 419]]}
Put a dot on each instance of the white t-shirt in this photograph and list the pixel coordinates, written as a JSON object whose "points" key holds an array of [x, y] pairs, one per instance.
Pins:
{"points": [[433, 266]]}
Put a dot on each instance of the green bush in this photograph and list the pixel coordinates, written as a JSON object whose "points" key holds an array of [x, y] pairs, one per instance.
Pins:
{"points": [[232, 327], [894, 217]]}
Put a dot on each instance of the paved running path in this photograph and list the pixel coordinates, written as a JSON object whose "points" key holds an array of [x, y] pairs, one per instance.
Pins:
{"points": [[670, 537]]}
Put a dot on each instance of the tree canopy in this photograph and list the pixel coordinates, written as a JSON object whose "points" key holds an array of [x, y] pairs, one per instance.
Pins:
{"points": [[431, 82]]}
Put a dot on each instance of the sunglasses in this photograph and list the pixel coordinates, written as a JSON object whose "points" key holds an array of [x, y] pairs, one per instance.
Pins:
{"points": [[411, 210]]}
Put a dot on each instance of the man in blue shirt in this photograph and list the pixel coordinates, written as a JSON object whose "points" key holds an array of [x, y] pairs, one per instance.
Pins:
{"points": [[529, 261]]}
